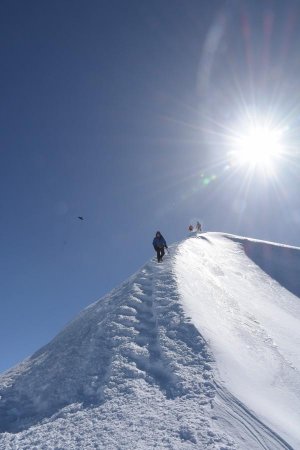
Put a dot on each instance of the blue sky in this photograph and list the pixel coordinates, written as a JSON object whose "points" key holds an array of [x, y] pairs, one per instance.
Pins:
{"points": [[121, 112]]}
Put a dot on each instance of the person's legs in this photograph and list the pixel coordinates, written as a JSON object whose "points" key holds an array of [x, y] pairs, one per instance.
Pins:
{"points": [[158, 253]]}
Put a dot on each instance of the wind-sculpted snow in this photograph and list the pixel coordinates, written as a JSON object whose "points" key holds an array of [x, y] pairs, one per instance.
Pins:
{"points": [[281, 262], [252, 325], [133, 371]]}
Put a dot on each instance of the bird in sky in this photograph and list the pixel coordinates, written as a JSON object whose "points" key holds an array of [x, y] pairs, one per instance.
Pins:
{"points": [[80, 217]]}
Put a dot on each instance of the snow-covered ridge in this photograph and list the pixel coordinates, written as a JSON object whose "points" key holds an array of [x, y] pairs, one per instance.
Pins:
{"points": [[252, 323], [155, 363], [281, 262]]}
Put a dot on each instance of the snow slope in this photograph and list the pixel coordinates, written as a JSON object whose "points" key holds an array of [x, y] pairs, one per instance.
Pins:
{"points": [[198, 352], [251, 322]]}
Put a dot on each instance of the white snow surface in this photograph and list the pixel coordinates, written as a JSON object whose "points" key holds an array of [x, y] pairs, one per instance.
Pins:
{"points": [[198, 352]]}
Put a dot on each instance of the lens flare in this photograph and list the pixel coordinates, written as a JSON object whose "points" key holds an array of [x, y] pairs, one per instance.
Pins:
{"points": [[259, 146]]}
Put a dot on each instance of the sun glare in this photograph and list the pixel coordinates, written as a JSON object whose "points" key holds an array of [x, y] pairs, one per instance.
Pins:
{"points": [[259, 146]]}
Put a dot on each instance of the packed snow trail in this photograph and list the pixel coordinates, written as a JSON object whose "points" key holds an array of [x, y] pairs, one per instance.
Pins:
{"points": [[131, 372], [252, 325]]}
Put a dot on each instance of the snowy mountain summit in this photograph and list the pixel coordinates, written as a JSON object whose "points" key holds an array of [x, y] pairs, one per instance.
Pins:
{"points": [[199, 352]]}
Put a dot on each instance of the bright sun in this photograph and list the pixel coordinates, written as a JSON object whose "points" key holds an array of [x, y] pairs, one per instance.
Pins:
{"points": [[259, 146]]}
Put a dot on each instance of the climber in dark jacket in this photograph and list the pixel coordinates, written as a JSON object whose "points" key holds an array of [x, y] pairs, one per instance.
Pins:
{"points": [[159, 245]]}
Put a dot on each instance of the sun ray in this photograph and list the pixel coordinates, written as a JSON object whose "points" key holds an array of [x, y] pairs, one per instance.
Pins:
{"points": [[257, 146]]}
